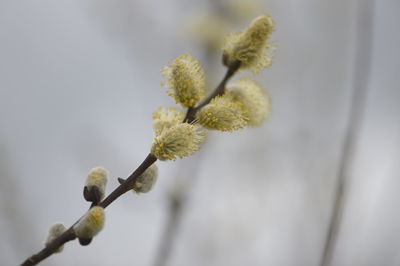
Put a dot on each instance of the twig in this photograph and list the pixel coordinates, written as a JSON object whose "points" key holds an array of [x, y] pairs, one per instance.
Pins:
{"points": [[127, 185], [69, 234], [362, 69]]}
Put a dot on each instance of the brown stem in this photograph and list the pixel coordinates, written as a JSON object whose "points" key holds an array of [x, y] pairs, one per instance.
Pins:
{"points": [[191, 113], [127, 185], [47, 251]]}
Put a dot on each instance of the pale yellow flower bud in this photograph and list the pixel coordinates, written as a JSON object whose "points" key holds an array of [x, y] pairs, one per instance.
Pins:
{"points": [[95, 185], [180, 140], [251, 47], [185, 78], [145, 182], [55, 231], [165, 118], [90, 224], [255, 101], [222, 113]]}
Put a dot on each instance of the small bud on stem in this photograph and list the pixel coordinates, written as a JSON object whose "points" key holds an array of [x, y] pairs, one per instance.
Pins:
{"points": [[95, 186], [55, 231], [89, 225]]}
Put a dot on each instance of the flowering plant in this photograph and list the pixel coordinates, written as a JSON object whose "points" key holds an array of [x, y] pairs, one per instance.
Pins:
{"points": [[177, 135]]}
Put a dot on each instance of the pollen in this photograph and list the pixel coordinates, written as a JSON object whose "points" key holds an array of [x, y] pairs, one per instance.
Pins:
{"points": [[223, 113], [255, 102], [180, 140], [252, 46], [185, 78], [165, 118]]}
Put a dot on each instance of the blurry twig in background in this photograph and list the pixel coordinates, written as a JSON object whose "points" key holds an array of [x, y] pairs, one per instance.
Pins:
{"points": [[170, 230], [178, 198], [362, 68]]}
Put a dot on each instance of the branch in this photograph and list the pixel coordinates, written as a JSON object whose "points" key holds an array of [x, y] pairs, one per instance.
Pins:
{"points": [[69, 234], [127, 185]]}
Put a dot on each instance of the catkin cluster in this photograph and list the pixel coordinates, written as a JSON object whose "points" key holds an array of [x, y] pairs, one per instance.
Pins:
{"points": [[243, 103]]}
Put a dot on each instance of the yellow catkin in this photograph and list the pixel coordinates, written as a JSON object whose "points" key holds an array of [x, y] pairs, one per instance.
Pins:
{"points": [[185, 78], [180, 140], [255, 102], [252, 47], [164, 118], [222, 113], [90, 224]]}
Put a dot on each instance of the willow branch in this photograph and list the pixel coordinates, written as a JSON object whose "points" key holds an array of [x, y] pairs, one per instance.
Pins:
{"points": [[69, 235]]}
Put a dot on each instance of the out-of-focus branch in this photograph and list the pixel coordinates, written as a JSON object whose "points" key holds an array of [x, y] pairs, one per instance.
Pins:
{"points": [[362, 68], [176, 202]]}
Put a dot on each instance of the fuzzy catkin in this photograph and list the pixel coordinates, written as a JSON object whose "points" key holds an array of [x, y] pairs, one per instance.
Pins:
{"points": [[251, 47], [223, 114], [145, 182], [180, 140], [164, 118], [185, 78], [55, 231], [90, 224], [254, 101], [97, 177]]}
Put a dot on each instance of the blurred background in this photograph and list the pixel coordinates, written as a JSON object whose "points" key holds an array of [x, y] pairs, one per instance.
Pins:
{"points": [[79, 80]]}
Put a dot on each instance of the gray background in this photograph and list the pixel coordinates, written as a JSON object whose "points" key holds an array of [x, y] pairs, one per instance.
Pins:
{"points": [[79, 80]]}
